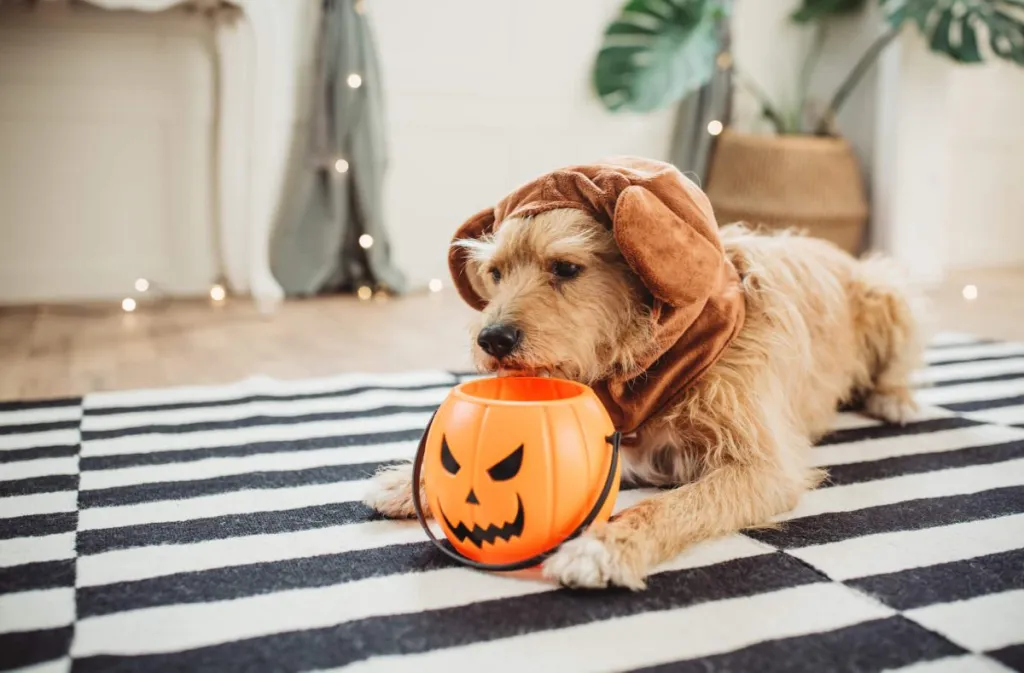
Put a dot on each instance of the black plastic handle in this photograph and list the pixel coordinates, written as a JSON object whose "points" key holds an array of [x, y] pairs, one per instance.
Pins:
{"points": [[614, 439]]}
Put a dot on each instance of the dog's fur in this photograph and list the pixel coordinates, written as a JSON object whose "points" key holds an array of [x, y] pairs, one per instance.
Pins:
{"points": [[822, 329]]}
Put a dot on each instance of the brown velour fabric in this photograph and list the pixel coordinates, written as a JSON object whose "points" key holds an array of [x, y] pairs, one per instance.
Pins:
{"points": [[664, 226]]}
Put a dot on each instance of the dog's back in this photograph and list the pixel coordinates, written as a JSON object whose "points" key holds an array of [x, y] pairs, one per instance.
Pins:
{"points": [[836, 328]]}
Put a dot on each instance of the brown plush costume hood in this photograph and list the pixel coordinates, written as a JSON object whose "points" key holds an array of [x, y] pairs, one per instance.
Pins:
{"points": [[664, 226]]}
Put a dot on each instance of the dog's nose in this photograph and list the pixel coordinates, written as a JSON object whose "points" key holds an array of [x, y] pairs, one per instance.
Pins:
{"points": [[498, 340]]}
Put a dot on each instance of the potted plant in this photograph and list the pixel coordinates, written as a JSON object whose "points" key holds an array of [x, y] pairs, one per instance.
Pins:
{"points": [[657, 53]]}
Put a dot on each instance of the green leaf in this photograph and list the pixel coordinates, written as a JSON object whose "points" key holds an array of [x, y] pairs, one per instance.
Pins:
{"points": [[952, 27], [1006, 36], [656, 52], [816, 10], [969, 51], [940, 40]]}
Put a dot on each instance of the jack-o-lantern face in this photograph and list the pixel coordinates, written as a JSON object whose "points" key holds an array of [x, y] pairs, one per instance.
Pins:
{"points": [[514, 465], [503, 470]]}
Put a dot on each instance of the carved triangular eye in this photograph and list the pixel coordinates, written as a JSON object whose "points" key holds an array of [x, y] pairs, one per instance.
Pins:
{"points": [[447, 459], [508, 467]]}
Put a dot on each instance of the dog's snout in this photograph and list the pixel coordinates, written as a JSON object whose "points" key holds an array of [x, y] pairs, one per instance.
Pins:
{"points": [[499, 340]]}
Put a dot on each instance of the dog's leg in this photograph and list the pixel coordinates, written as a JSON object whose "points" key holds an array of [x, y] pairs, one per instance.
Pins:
{"points": [[891, 402], [391, 493], [890, 324], [624, 551]]}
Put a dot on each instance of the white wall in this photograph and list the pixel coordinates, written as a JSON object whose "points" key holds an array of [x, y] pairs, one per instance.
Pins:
{"points": [[949, 177], [911, 175], [483, 96], [985, 201], [106, 170], [114, 114]]}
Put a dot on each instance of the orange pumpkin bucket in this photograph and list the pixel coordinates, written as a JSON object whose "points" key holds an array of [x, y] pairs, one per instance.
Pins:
{"points": [[513, 467]]}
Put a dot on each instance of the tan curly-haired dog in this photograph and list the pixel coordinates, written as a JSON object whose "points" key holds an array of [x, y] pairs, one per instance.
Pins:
{"points": [[566, 289]]}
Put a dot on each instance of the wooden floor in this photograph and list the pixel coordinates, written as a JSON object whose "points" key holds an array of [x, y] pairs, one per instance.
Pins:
{"points": [[71, 350]]}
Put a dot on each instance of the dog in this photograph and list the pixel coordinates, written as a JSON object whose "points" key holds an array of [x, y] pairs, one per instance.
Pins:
{"points": [[562, 293]]}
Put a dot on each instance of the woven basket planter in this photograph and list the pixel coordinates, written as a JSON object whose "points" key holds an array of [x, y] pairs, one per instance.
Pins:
{"points": [[807, 183]]}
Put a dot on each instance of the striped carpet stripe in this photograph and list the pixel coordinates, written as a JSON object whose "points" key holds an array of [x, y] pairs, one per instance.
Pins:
{"points": [[220, 528], [969, 624], [946, 582], [599, 645], [880, 644]]}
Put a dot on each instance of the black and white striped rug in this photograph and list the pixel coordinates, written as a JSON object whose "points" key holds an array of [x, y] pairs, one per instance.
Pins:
{"points": [[220, 529]]}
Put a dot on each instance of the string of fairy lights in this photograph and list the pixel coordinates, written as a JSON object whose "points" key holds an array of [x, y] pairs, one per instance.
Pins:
{"points": [[148, 293], [341, 166]]}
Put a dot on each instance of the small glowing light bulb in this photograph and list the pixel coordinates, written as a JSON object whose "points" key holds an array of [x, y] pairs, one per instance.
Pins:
{"points": [[970, 292], [364, 292], [341, 166], [435, 285], [141, 284], [715, 127], [127, 304], [354, 81], [365, 241], [218, 293]]}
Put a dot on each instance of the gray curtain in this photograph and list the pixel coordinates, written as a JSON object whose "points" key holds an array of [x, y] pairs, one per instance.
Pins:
{"points": [[692, 145], [316, 247]]}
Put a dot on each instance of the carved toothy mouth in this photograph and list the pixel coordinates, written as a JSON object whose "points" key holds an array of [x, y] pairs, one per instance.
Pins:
{"points": [[478, 535]]}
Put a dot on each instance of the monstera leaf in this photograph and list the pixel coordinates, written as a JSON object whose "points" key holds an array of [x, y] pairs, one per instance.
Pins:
{"points": [[958, 28], [656, 52], [815, 10]]}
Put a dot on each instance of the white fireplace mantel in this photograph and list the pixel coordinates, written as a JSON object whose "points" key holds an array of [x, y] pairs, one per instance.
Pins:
{"points": [[258, 63]]}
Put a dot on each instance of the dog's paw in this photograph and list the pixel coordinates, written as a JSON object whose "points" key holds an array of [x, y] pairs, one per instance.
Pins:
{"points": [[390, 492], [893, 407], [588, 562]]}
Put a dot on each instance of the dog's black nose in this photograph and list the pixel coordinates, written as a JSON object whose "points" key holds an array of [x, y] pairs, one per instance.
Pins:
{"points": [[498, 340]]}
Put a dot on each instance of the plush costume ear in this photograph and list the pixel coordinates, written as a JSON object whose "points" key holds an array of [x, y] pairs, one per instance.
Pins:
{"points": [[460, 263], [670, 244]]}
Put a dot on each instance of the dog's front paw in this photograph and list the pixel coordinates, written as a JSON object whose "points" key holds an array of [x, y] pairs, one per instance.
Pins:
{"points": [[896, 407], [590, 562], [390, 493]]}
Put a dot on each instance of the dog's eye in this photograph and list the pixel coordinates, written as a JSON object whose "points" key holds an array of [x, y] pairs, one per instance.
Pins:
{"points": [[495, 274], [566, 270]]}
